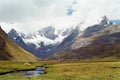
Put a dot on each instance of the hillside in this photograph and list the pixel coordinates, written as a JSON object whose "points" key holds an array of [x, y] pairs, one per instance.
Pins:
{"points": [[11, 51], [92, 52]]}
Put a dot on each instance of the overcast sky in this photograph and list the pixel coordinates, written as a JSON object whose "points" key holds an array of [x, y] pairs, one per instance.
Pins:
{"points": [[30, 15]]}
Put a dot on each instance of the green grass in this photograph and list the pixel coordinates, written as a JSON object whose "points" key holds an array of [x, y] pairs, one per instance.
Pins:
{"points": [[66, 71], [7, 66]]}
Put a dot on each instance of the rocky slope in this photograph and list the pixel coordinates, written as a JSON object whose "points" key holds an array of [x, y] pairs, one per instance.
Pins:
{"points": [[108, 51]]}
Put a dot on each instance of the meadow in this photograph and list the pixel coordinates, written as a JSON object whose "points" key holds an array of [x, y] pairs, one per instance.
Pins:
{"points": [[63, 70]]}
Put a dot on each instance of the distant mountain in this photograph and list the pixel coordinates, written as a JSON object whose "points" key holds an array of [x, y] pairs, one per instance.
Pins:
{"points": [[100, 41], [92, 30], [86, 36], [51, 42], [11, 51], [66, 43], [44, 42]]}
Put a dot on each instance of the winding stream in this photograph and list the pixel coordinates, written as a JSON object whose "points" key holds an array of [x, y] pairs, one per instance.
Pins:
{"points": [[38, 71]]}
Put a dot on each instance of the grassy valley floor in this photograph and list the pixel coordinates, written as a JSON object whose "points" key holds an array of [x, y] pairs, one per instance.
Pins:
{"points": [[64, 70]]}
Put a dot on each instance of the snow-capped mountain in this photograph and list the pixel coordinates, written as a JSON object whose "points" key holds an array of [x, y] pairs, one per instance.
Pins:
{"points": [[66, 43], [43, 42], [49, 40], [86, 37], [98, 41], [79, 38], [102, 23], [48, 35]]}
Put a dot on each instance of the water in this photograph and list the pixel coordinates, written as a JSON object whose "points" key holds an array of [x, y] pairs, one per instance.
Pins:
{"points": [[37, 72]]}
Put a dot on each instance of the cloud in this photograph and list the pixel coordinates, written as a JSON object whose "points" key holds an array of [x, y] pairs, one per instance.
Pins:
{"points": [[30, 10], [31, 15], [89, 11]]}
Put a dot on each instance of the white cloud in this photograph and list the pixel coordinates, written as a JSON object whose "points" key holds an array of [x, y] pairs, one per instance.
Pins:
{"points": [[30, 15]]}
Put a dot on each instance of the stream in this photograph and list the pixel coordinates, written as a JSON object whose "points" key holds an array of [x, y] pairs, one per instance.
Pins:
{"points": [[38, 71]]}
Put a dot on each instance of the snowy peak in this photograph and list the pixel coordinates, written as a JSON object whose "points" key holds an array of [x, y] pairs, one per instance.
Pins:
{"points": [[48, 35], [14, 34], [13, 30], [104, 21], [48, 32], [44, 42]]}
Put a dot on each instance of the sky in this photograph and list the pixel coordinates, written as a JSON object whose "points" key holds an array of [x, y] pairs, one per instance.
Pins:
{"points": [[31, 15]]}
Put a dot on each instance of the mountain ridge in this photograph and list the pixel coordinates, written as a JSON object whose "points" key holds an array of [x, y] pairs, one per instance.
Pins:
{"points": [[36, 43], [102, 44], [9, 50], [74, 38]]}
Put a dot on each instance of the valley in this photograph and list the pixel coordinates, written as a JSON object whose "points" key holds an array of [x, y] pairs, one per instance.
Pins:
{"points": [[59, 39], [71, 54]]}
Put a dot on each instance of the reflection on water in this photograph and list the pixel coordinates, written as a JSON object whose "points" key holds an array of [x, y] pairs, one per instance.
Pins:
{"points": [[37, 72]]}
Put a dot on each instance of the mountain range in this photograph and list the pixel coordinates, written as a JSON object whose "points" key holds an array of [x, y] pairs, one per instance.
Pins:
{"points": [[99, 41], [72, 43], [44, 42]]}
